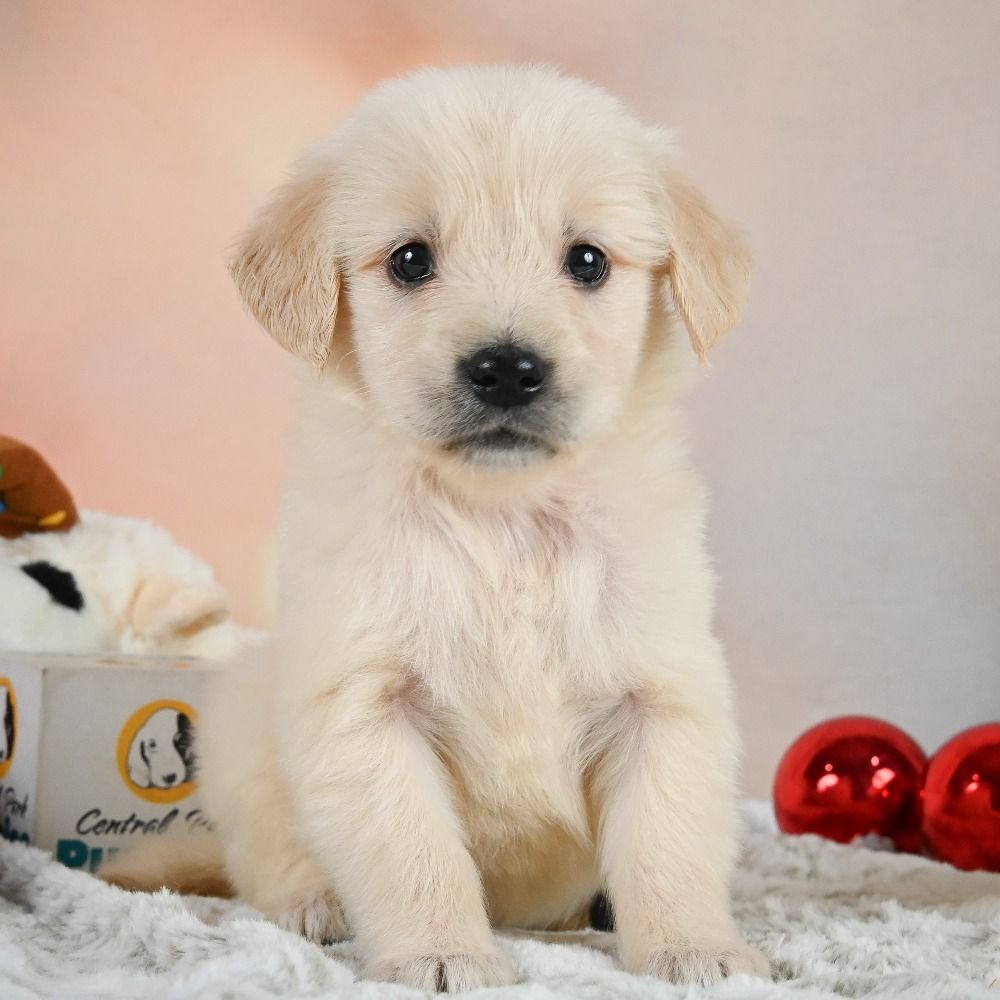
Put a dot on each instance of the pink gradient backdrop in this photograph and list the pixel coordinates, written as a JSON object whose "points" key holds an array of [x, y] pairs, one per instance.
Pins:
{"points": [[850, 430]]}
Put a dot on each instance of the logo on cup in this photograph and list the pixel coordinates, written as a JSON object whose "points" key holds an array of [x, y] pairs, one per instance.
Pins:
{"points": [[156, 751], [8, 725]]}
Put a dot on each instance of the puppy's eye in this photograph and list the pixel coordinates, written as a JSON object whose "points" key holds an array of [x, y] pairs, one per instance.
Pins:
{"points": [[150, 744], [412, 263], [586, 264]]}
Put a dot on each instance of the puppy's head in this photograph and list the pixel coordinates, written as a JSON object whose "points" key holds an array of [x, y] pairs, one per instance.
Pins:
{"points": [[486, 257]]}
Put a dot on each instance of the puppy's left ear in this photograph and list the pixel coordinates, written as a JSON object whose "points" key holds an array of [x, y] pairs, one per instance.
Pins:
{"points": [[708, 266], [164, 607]]}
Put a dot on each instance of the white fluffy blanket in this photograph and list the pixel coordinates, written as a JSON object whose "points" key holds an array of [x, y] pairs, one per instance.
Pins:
{"points": [[836, 922]]}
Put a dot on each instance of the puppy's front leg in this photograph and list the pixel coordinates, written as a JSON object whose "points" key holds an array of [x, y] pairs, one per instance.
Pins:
{"points": [[664, 787], [374, 800]]}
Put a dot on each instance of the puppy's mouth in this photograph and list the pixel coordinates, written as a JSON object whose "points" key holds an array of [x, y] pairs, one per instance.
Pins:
{"points": [[460, 425], [500, 440]]}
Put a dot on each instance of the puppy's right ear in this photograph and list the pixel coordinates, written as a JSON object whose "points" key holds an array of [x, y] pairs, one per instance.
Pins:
{"points": [[286, 269]]}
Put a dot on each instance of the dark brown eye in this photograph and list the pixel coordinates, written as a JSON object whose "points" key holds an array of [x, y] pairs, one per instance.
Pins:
{"points": [[412, 263], [586, 264]]}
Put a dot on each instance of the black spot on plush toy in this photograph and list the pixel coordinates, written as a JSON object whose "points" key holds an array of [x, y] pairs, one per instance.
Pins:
{"points": [[60, 584]]}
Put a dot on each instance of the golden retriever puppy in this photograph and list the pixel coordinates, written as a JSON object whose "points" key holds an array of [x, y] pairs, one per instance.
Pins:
{"points": [[494, 687]]}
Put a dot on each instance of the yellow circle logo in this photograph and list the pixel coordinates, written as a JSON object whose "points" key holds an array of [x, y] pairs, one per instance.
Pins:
{"points": [[9, 725], [156, 751]]}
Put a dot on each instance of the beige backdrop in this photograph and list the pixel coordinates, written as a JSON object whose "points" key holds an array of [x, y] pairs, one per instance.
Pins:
{"points": [[850, 430]]}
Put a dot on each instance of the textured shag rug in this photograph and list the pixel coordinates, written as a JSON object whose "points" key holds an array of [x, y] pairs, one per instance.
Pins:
{"points": [[835, 921]]}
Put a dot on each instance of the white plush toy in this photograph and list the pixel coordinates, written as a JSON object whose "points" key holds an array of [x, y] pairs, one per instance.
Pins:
{"points": [[84, 582], [111, 584]]}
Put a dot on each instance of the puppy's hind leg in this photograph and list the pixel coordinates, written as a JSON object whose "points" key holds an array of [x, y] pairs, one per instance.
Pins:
{"points": [[192, 865], [267, 860], [274, 872]]}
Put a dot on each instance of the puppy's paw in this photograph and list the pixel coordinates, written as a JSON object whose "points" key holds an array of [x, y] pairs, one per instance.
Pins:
{"points": [[318, 918], [703, 964], [453, 972]]}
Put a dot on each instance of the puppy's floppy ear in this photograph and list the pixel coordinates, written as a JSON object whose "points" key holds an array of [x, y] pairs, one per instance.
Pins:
{"points": [[285, 267], [708, 266]]}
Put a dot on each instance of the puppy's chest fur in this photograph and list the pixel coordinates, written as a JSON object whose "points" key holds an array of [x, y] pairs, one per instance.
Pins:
{"points": [[506, 617]]}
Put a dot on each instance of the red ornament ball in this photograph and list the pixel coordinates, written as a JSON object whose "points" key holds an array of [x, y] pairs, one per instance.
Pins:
{"points": [[962, 799], [852, 776]]}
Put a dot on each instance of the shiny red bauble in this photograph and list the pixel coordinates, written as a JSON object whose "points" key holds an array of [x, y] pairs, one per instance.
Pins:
{"points": [[852, 776], [961, 802]]}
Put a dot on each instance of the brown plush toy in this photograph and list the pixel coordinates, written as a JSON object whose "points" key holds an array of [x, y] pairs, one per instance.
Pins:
{"points": [[32, 496]]}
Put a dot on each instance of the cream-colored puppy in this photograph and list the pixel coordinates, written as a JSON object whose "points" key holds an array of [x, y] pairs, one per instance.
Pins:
{"points": [[495, 686]]}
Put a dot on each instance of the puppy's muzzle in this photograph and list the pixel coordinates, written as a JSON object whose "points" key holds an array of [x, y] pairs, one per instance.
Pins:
{"points": [[505, 376]]}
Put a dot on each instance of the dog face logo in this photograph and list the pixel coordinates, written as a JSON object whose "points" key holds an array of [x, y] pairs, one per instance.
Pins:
{"points": [[156, 751], [8, 725]]}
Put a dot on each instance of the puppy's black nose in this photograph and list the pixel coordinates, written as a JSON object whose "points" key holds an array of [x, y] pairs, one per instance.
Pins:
{"points": [[504, 375], [169, 779]]}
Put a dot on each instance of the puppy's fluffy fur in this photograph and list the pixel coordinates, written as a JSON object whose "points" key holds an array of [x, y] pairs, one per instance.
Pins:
{"points": [[495, 686]]}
